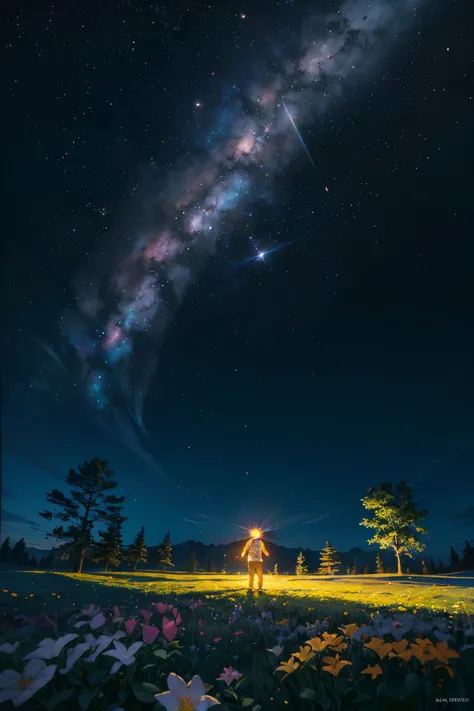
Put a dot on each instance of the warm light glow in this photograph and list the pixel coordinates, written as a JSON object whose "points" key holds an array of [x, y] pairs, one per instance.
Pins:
{"points": [[255, 533]]}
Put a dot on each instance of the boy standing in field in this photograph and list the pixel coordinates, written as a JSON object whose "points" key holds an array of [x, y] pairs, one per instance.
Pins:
{"points": [[254, 549]]}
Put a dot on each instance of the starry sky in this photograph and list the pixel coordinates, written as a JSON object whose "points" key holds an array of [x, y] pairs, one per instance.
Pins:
{"points": [[237, 263]]}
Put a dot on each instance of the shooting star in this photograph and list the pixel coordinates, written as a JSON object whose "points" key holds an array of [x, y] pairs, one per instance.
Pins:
{"points": [[298, 134]]}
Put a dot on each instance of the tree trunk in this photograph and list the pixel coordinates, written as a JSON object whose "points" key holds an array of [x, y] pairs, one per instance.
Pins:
{"points": [[399, 564], [106, 567], [80, 561], [135, 566]]}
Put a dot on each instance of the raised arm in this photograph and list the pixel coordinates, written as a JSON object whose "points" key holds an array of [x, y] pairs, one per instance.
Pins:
{"points": [[264, 550]]}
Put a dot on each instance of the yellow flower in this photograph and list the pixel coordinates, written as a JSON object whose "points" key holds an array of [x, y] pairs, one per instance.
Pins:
{"points": [[402, 609], [379, 646], [442, 652], [288, 667], [338, 647], [317, 644], [345, 612], [337, 640], [447, 667], [335, 665], [374, 671], [283, 621], [329, 637], [304, 654], [400, 647], [421, 651], [349, 630]]}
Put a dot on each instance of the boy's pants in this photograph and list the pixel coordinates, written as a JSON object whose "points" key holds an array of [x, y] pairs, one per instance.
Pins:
{"points": [[255, 566]]}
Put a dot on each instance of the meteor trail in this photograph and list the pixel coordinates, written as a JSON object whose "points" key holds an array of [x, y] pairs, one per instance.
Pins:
{"points": [[298, 134]]}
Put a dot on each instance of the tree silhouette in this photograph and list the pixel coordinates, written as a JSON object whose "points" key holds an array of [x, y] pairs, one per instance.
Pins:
{"points": [[395, 520], [379, 564], [163, 551], [109, 549], [454, 562], [18, 552], [5, 551], [137, 552], [328, 560], [193, 562], [432, 567], [468, 556], [275, 569], [89, 504]]}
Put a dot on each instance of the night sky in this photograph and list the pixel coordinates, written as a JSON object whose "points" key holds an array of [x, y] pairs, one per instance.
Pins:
{"points": [[150, 160]]}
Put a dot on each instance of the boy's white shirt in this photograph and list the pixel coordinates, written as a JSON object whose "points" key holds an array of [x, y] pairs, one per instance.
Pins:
{"points": [[255, 551]]}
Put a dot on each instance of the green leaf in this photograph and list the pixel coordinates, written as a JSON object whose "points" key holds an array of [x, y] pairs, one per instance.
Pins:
{"points": [[229, 690], [208, 687], [247, 701], [86, 699], [309, 694], [144, 692], [148, 666], [160, 653], [175, 651], [130, 673], [240, 682], [63, 695], [97, 677]]}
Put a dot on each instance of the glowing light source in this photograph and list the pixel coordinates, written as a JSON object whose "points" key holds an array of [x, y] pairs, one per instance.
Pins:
{"points": [[261, 255], [255, 533]]}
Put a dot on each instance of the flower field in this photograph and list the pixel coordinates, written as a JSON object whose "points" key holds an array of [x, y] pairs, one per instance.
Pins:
{"points": [[190, 642]]}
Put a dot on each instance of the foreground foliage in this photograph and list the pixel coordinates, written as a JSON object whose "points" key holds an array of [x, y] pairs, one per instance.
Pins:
{"points": [[260, 653]]}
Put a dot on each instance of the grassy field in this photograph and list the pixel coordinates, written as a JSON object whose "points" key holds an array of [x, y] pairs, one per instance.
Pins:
{"points": [[29, 591]]}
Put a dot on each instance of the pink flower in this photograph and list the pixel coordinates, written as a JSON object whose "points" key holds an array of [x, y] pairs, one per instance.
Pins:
{"points": [[169, 628], [147, 615], [149, 634], [229, 675], [216, 640], [177, 616], [201, 633], [162, 608], [238, 633], [195, 604], [89, 610], [116, 612], [130, 625]]}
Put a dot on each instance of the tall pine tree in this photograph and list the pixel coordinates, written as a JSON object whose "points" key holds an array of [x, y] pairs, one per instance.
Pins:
{"points": [[18, 552], [379, 564], [432, 567], [454, 562], [468, 556], [137, 552], [328, 560], [164, 550], [5, 551], [301, 568], [109, 549], [89, 504]]}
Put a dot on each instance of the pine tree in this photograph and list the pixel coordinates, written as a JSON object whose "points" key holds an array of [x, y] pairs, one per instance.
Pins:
{"points": [[432, 567], [275, 569], [88, 504], [366, 569], [5, 551], [454, 562], [33, 561], [193, 562], [355, 569], [137, 552], [109, 549], [18, 552], [440, 567], [163, 551], [395, 520], [328, 560], [424, 569], [379, 564], [301, 567], [210, 566], [348, 570], [468, 556]]}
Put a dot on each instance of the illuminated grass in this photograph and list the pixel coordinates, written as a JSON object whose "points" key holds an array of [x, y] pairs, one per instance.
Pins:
{"points": [[369, 591]]}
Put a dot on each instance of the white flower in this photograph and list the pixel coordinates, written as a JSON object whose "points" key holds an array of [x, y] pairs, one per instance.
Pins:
{"points": [[442, 636], [73, 655], [191, 697], [124, 655], [21, 687], [97, 621], [51, 648], [276, 650], [99, 645], [8, 648]]}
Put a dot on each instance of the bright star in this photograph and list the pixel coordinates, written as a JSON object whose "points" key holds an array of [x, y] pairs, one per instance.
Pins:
{"points": [[261, 255]]}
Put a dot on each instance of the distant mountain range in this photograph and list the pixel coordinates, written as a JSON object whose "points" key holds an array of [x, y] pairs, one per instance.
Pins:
{"points": [[214, 558]]}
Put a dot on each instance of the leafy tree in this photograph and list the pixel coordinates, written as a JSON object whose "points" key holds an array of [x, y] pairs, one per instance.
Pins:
{"points": [[137, 552], [109, 549], [301, 567], [328, 560], [468, 556], [18, 552], [395, 520], [5, 551], [454, 562], [379, 564], [424, 569], [275, 569], [89, 504], [193, 562], [163, 551], [432, 567]]}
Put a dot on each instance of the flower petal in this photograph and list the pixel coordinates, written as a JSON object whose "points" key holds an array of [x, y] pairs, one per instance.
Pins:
{"points": [[196, 688], [168, 700], [177, 685], [206, 702], [9, 678], [34, 667]]}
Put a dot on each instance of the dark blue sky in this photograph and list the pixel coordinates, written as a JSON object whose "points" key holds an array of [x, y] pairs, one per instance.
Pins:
{"points": [[343, 359]]}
